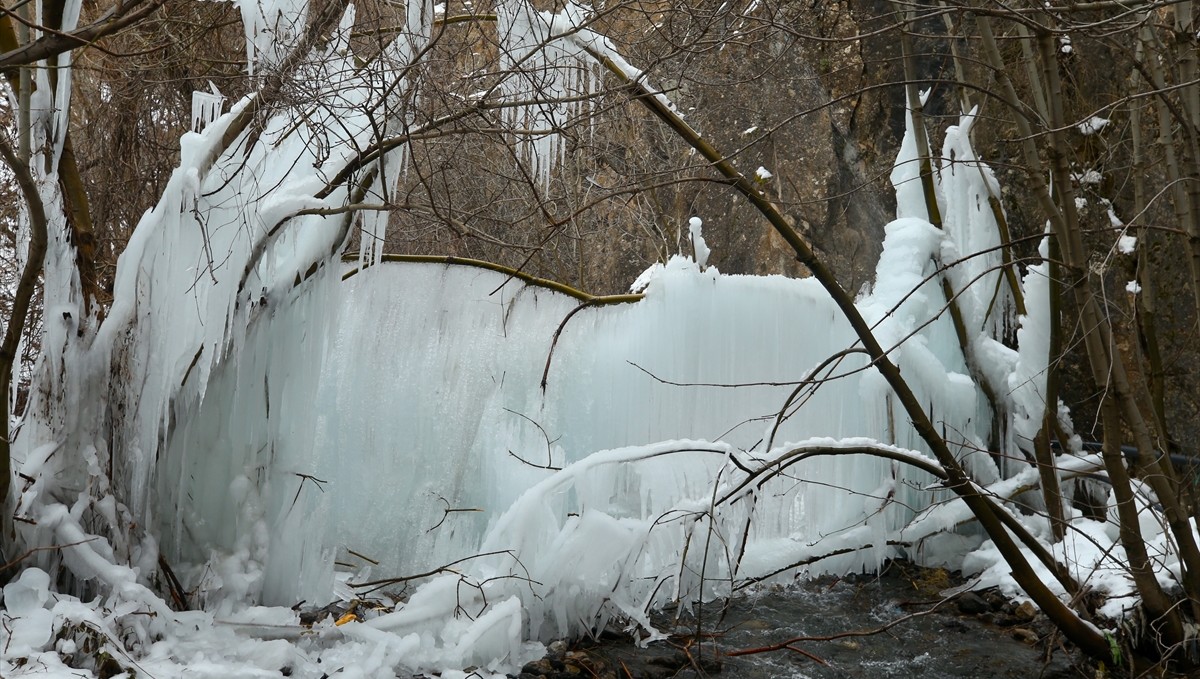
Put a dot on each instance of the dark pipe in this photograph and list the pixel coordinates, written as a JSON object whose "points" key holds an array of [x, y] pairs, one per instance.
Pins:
{"points": [[1179, 460]]}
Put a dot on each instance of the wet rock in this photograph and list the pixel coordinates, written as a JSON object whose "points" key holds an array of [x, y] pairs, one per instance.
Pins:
{"points": [[996, 600], [970, 603], [679, 660], [657, 661], [709, 665], [1043, 627], [563, 663], [1022, 634], [569, 671], [557, 648], [1026, 612], [537, 668], [955, 625]]}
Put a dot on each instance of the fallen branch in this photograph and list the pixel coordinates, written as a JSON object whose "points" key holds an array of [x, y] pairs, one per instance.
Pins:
{"points": [[376, 585]]}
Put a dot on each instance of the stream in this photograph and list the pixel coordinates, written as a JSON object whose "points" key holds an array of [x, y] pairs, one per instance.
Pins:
{"points": [[971, 636]]}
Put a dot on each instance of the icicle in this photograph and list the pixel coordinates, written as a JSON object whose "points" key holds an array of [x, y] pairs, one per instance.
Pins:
{"points": [[272, 28], [699, 247], [906, 172], [206, 106]]}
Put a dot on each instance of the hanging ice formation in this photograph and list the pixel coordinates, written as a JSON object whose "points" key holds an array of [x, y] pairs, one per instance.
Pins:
{"points": [[405, 418]]}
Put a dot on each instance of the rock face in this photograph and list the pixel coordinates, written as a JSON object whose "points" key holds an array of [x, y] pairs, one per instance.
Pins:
{"points": [[759, 91]]}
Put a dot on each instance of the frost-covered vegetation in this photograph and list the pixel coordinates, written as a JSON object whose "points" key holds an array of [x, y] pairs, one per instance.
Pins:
{"points": [[257, 424]]}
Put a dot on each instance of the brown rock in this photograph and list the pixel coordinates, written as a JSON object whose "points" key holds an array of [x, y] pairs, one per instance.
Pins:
{"points": [[538, 667], [1025, 635]]}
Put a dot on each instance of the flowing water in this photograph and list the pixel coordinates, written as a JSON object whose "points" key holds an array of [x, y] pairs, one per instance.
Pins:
{"points": [[944, 644]]}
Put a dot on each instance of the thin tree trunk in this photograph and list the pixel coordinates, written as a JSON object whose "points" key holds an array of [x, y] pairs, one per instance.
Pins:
{"points": [[1175, 171], [1043, 452], [1152, 594], [1107, 366], [1146, 302], [22, 298], [75, 198]]}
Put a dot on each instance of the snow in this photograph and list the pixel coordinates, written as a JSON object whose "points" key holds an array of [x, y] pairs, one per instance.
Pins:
{"points": [[762, 174], [643, 280], [699, 247], [1113, 220], [1092, 125], [1126, 244], [1095, 560]]}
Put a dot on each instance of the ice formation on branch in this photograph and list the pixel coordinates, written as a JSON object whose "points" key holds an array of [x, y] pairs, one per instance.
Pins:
{"points": [[271, 26]]}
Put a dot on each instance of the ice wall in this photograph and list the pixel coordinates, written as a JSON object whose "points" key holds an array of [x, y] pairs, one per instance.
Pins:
{"points": [[413, 389]]}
